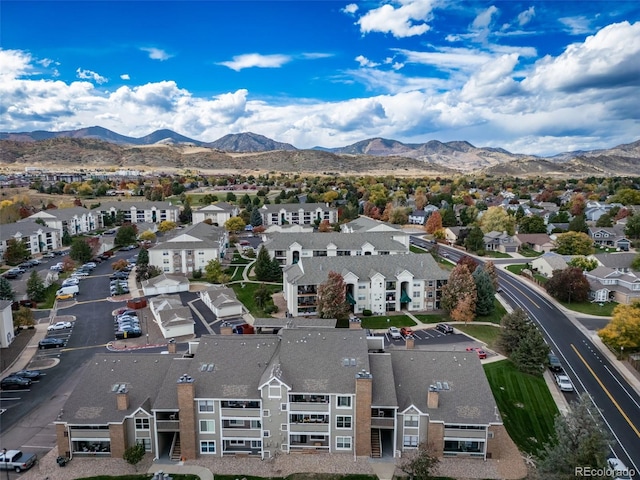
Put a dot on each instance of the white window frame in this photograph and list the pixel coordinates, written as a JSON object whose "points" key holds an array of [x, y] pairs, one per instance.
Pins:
{"points": [[343, 397], [410, 441], [345, 418], [208, 423], [142, 423], [411, 419], [206, 404], [343, 440], [208, 444], [271, 391]]}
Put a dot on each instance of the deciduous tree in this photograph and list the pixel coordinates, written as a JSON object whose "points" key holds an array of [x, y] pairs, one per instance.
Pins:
{"points": [[574, 243], [332, 297], [580, 440], [490, 268], [632, 229], [460, 285], [127, 235], [583, 263], [568, 285], [16, 252], [433, 223], [234, 224], [578, 224], [420, 464], [624, 328], [167, 226], [533, 224], [464, 310], [80, 250], [213, 272], [496, 219]]}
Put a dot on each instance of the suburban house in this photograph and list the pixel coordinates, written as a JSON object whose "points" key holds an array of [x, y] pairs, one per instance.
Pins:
{"points": [[37, 238], [300, 213], [222, 301], [538, 242], [455, 235], [165, 283], [547, 263], [173, 318], [7, 334], [500, 242], [608, 284], [419, 217], [289, 248], [138, 211], [190, 249], [218, 213], [610, 237], [594, 210], [75, 220], [618, 261], [262, 395], [380, 283]]}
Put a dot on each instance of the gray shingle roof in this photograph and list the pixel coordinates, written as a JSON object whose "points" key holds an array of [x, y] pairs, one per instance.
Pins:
{"points": [[139, 205], [314, 271], [207, 237], [319, 241], [94, 402], [384, 388], [24, 227], [294, 322], [364, 224], [293, 207], [469, 399], [613, 260], [66, 214]]}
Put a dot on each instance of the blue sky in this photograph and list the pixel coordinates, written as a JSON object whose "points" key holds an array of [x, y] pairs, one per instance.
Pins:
{"points": [[530, 77]]}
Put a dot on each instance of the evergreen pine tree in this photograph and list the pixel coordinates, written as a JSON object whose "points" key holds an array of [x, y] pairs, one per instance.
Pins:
{"points": [[263, 267], [35, 287], [255, 219], [6, 290], [486, 294]]}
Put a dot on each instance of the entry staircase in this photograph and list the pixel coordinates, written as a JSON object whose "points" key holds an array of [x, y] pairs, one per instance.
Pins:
{"points": [[376, 444], [175, 453]]}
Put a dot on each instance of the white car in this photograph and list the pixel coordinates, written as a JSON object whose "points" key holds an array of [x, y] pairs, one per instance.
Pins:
{"points": [[71, 281], [80, 274], [620, 470], [394, 333], [564, 383], [59, 326]]}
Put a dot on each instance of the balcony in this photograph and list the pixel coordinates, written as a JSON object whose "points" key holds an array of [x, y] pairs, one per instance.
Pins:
{"points": [[309, 407], [240, 412], [380, 422], [168, 425], [308, 428], [241, 433]]}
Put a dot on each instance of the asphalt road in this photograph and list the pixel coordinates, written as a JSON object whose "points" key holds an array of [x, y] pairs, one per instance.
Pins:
{"points": [[616, 400]]}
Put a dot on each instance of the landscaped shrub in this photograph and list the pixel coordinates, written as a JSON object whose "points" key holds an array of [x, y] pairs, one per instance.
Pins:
{"points": [[366, 313]]}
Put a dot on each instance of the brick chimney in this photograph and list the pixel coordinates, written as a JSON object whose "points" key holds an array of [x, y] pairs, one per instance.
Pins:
{"points": [[172, 346], [226, 329], [364, 394], [355, 323], [432, 397], [122, 399], [186, 403], [409, 342]]}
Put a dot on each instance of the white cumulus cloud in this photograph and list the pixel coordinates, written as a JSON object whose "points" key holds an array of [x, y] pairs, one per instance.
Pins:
{"points": [[407, 20], [251, 60], [526, 16], [90, 75], [365, 62], [351, 8], [125, 76], [156, 53]]}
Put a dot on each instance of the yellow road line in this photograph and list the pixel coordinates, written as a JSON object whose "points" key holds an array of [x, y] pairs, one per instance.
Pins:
{"points": [[515, 286], [624, 415]]}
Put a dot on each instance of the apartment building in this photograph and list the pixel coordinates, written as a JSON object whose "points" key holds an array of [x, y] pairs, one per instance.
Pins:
{"points": [[289, 248], [138, 211], [298, 213], [190, 249], [37, 238], [75, 220], [303, 390], [380, 283], [217, 213]]}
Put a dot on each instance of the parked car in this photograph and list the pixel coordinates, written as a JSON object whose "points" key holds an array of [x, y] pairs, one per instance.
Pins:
{"points": [[481, 353], [26, 303], [122, 334], [564, 383], [25, 265], [59, 326], [444, 328], [30, 374], [57, 267], [10, 275], [16, 460], [65, 296], [394, 333], [129, 247], [14, 383], [554, 363], [119, 275], [81, 273], [48, 255], [244, 329], [620, 470], [406, 331], [70, 282], [50, 342]]}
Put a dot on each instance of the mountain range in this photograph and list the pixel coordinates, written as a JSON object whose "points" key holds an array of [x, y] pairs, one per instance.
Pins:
{"points": [[257, 152]]}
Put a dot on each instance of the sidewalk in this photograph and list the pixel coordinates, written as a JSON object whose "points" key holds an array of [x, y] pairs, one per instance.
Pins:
{"points": [[20, 355]]}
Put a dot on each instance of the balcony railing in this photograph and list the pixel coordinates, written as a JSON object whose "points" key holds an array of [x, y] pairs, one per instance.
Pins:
{"points": [[240, 412], [168, 425], [241, 433], [309, 407]]}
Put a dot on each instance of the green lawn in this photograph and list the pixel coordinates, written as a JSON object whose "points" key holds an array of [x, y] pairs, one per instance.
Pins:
{"points": [[527, 252], [516, 268], [235, 273], [592, 308], [526, 406], [497, 255], [415, 249], [495, 317], [377, 323], [246, 295], [485, 333], [433, 318]]}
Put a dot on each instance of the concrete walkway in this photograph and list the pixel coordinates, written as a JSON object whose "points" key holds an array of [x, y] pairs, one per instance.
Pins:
{"points": [[180, 467]]}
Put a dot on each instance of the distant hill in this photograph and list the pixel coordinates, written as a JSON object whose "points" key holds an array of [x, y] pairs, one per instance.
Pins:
{"points": [[382, 154], [248, 142]]}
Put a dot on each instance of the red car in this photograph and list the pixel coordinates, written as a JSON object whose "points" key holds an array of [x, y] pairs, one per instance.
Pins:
{"points": [[481, 353], [406, 331]]}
